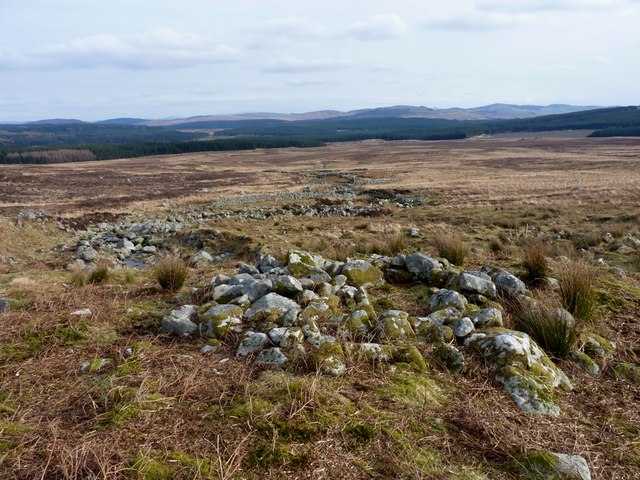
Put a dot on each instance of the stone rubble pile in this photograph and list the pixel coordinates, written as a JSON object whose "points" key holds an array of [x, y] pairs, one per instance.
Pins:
{"points": [[320, 310]]}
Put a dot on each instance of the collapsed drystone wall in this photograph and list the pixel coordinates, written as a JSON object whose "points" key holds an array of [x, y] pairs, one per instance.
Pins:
{"points": [[320, 310]]}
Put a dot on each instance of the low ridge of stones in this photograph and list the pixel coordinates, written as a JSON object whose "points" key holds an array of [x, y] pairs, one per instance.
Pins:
{"points": [[320, 310]]}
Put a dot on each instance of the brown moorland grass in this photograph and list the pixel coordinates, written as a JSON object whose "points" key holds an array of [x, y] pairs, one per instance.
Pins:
{"points": [[167, 407]]}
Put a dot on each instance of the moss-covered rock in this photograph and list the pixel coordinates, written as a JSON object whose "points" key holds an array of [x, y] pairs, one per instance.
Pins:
{"points": [[626, 371], [522, 368], [551, 466], [447, 299], [329, 359], [394, 325], [220, 320], [362, 273], [585, 362], [436, 333], [450, 357], [358, 323], [597, 347]]}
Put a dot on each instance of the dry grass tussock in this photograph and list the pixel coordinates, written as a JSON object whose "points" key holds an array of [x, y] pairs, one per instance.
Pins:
{"points": [[171, 273], [534, 260], [577, 288], [451, 247]]}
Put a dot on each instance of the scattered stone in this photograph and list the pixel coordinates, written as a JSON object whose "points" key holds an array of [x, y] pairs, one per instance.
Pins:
{"points": [[487, 317], [553, 466], [450, 357], [585, 362], [362, 273], [253, 342], [271, 357], [477, 283], [94, 365], [208, 349], [445, 299], [179, 321], [626, 371], [4, 304], [358, 323], [462, 327], [522, 368]]}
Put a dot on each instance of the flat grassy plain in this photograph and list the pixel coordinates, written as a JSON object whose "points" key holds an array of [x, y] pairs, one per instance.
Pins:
{"points": [[164, 410]]}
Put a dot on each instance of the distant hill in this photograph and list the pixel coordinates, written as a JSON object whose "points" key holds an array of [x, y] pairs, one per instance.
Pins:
{"points": [[496, 111], [57, 121], [124, 121]]}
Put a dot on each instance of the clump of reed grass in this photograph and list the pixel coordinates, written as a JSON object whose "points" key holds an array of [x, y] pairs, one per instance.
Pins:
{"points": [[171, 273], [451, 247], [534, 261], [577, 289]]}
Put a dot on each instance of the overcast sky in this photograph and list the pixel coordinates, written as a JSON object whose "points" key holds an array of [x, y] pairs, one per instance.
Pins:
{"points": [[97, 59]]}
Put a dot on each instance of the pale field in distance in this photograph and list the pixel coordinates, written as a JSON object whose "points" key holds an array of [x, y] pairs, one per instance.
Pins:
{"points": [[473, 172]]}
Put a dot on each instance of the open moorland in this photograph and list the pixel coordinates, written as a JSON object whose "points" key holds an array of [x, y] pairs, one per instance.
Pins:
{"points": [[441, 310]]}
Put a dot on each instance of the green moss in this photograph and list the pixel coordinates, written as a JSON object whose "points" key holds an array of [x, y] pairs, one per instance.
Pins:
{"points": [[253, 406], [267, 455], [295, 431], [536, 465], [360, 433], [329, 359], [196, 467], [409, 357], [364, 276], [119, 415], [145, 468], [626, 371], [413, 390]]}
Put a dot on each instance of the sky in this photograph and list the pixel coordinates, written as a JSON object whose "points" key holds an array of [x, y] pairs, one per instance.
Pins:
{"points": [[97, 59]]}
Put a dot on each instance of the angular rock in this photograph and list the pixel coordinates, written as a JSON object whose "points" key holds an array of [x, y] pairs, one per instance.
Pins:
{"points": [[266, 263], [271, 357], [179, 321], [447, 298], [272, 307], [362, 273], [446, 316], [253, 342], [508, 283], [226, 293], [462, 327], [477, 283], [450, 357], [553, 466], [487, 317], [257, 289], [4, 304], [522, 368], [288, 285], [422, 266]]}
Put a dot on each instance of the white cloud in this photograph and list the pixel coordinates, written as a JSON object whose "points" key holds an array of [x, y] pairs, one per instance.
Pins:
{"points": [[158, 49], [474, 21], [379, 27], [293, 64], [303, 82], [511, 6], [296, 27]]}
